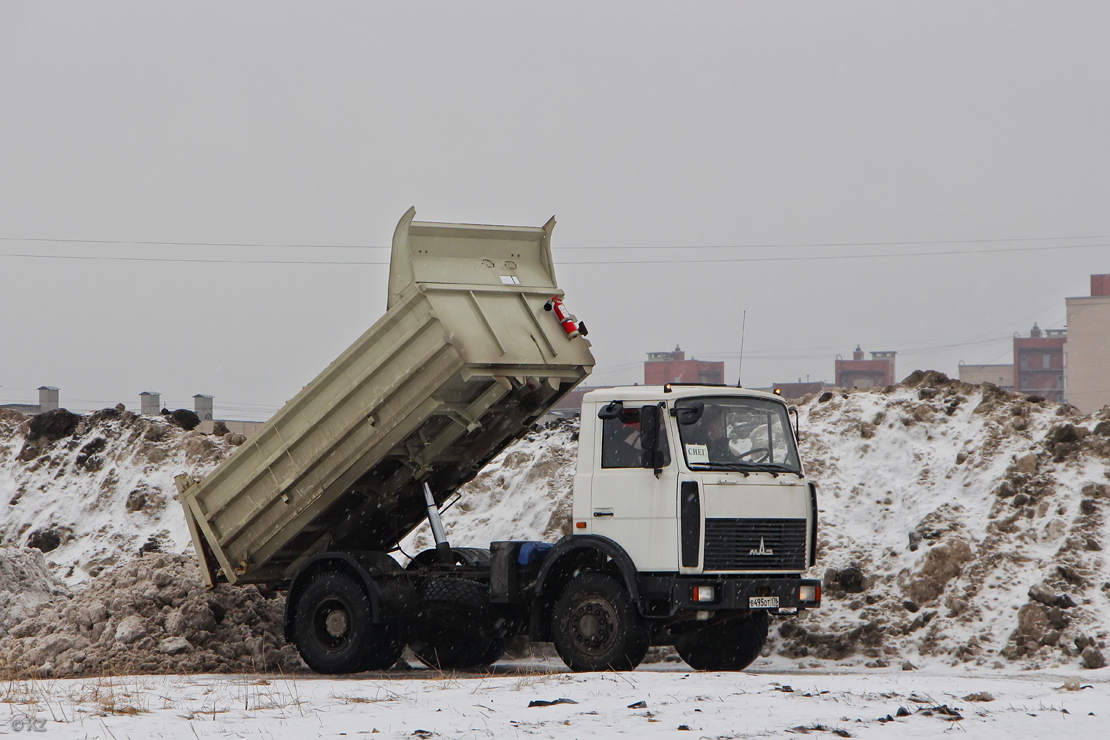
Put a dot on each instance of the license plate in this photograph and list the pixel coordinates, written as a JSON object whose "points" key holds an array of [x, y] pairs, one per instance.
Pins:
{"points": [[763, 602]]}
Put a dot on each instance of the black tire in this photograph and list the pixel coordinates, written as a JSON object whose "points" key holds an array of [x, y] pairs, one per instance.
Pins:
{"points": [[334, 630], [455, 594], [598, 627], [728, 646], [455, 630]]}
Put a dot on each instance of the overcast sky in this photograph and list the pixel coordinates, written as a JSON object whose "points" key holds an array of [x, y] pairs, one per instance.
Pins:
{"points": [[689, 147]]}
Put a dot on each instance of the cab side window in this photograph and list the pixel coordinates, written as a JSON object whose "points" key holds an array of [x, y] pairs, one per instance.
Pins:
{"points": [[620, 441]]}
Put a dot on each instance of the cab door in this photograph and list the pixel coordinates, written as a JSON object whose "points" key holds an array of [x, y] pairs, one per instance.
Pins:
{"points": [[631, 504]]}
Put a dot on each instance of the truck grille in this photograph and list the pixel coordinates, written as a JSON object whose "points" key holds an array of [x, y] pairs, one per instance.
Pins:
{"points": [[735, 544]]}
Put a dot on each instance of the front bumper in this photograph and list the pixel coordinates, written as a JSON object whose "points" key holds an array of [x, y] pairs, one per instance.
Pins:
{"points": [[732, 593]]}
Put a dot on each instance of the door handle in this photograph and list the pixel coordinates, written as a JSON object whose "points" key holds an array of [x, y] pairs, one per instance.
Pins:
{"points": [[603, 512]]}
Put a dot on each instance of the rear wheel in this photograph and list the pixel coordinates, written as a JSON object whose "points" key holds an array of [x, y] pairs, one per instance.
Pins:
{"points": [[732, 645], [334, 630], [455, 630], [597, 626]]}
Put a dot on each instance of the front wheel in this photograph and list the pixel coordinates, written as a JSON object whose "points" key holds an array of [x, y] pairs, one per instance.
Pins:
{"points": [[732, 645], [334, 630], [597, 626]]}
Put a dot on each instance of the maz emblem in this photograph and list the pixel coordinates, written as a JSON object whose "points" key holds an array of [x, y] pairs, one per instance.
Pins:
{"points": [[762, 550]]}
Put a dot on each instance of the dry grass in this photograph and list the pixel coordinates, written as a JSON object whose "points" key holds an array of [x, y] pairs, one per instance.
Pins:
{"points": [[139, 695], [107, 695], [29, 698]]}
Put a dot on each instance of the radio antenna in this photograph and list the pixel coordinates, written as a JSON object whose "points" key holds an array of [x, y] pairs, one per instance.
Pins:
{"points": [[740, 371]]}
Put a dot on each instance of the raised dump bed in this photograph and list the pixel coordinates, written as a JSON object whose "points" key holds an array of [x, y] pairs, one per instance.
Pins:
{"points": [[465, 359]]}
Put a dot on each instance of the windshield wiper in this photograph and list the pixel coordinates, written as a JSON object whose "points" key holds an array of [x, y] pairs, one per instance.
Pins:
{"points": [[748, 467], [736, 467]]}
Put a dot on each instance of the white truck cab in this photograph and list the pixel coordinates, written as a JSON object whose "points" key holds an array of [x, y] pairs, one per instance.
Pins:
{"points": [[726, 492]]}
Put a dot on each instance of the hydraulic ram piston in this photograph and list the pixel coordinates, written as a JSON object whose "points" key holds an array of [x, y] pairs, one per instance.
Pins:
{"points": [[442, 546]]}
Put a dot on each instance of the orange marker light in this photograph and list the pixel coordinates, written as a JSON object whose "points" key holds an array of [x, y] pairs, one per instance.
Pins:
{"points": [[579, 525]]}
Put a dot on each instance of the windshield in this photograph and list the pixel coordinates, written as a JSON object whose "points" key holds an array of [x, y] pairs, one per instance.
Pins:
{"points": [[736, 434]]}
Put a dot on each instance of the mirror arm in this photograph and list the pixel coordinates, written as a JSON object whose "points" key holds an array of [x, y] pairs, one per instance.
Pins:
{"points": [[610, 410]]}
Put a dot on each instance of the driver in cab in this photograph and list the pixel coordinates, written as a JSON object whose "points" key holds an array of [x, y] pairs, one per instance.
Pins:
{"points": [[711, 431], [724, 440]]}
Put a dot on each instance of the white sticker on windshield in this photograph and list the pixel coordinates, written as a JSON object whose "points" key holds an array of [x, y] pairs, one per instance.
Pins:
{"points": [[697, 454]]}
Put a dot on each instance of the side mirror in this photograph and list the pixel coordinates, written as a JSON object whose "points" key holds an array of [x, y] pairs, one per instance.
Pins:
{"points": [[611, 410], [793, 410], [691, 413], [651, 438]]}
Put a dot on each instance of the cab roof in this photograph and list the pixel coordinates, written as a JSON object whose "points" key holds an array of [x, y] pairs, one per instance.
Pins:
{"points": [[657, 393]]}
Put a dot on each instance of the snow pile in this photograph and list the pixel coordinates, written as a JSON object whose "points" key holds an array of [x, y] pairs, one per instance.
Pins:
{"points": [[959, 523], [90, 491], [26, 586], [152, 615], [95, 496]]}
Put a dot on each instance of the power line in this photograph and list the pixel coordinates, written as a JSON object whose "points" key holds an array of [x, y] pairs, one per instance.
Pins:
{"points": [[848, 244], [296, 245], [678, 261], [152, 242], [815, 353], [763, 357], [834, 257], [106, 258], [934, 347]]}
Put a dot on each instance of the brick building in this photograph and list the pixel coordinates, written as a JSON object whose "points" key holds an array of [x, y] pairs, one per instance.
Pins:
{"points": [[1039, 363], [857, 372], [673, 367]]}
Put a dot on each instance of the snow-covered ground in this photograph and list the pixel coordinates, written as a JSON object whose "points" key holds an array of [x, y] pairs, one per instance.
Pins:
{"points": [[654, 701]]}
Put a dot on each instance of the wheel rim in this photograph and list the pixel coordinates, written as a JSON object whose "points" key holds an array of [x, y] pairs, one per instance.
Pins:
{"points": [[593, 623], [331, 624]]}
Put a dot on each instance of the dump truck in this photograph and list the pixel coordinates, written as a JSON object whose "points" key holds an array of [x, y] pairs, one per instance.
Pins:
{"points": [[692, 522]]}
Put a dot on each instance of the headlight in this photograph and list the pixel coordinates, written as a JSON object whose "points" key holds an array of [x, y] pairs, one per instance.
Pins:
{"points": [[809, 593], [703, 593]]}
